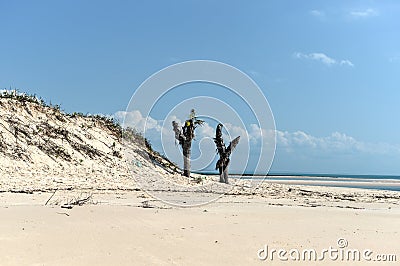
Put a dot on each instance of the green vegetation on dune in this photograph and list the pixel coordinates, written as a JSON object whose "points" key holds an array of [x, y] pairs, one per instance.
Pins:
{"points": [[45, 133]]}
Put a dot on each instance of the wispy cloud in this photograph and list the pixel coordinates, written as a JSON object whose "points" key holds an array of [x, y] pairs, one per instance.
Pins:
{"points": [[317, 13], [369, 12], [354, 14], [346, 62], [323, 58], [317, 57]]}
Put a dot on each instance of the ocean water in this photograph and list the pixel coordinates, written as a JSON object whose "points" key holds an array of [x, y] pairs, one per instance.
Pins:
{"points": [[380, 182]]}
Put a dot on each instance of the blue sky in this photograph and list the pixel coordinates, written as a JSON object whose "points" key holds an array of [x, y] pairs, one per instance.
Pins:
{"points": [[329, 69]]}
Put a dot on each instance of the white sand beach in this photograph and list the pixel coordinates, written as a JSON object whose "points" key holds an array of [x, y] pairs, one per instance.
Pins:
{"points": [[69, 197], [117, 228]]}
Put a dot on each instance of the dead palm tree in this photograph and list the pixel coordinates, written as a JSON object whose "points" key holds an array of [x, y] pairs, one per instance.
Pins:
{"points": [[224, 153], [185, 135]]}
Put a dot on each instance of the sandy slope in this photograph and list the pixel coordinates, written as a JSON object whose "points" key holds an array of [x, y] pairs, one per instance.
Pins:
{"points": [[42, 149]]}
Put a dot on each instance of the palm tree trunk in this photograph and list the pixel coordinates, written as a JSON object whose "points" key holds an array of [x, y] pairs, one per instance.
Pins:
{"points": [[221, 177], [225, 175], [187, 149]]}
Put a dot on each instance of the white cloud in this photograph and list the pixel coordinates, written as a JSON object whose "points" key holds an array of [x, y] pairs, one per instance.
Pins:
{"points": [[234, 131], [206, 131], [346, 62], [135, 119], [336, 143], [291, 146], [317, 13], [323, 58], [369, 12]]}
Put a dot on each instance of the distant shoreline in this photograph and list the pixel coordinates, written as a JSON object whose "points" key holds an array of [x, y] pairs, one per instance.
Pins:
{"points": [[378, 182], [368, 176]]}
